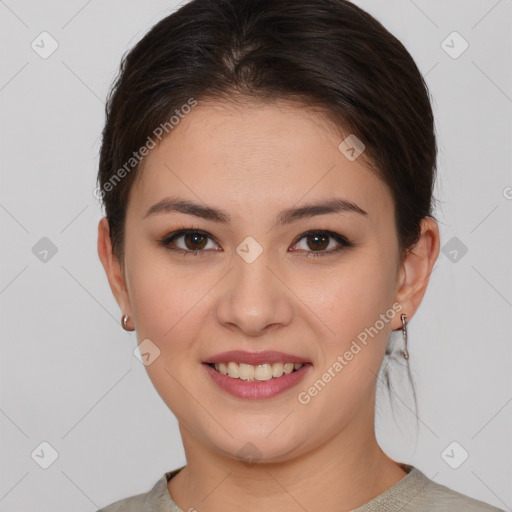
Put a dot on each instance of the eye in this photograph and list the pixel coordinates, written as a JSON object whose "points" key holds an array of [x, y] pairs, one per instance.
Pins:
{"points": [[187, 241], [194, 242], [319, 241]]}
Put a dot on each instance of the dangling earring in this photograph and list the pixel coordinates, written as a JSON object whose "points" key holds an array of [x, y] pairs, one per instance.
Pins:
{"points": [[405, 352], [124, 322]]}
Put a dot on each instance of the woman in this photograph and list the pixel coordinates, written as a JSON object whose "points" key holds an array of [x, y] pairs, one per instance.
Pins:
{"points": [[267, 169]]}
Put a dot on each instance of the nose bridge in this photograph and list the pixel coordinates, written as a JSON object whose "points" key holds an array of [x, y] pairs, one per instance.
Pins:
{"points": [[251, 270], [254, 298]]}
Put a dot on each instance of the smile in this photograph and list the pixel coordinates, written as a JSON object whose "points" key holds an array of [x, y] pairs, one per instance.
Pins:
{"points": [[260, 372], [256, 375]]}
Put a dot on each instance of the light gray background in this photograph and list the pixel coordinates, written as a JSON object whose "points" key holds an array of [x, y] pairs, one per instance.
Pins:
{"points": [[68, 373]]}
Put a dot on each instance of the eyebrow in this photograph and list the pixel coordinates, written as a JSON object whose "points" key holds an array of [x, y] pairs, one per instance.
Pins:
{"points": [[173, 204]]}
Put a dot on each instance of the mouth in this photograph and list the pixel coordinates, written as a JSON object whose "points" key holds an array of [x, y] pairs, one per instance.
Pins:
{"points": [[256, 375], [260, 372]]}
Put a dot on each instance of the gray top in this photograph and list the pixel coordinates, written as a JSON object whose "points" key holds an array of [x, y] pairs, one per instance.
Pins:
{"points": [[413, 493]]}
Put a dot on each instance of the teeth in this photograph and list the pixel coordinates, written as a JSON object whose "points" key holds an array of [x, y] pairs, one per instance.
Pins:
{"points": [[288, 368], [277, 369], [261, 372], [246, 371], [233, 370]]}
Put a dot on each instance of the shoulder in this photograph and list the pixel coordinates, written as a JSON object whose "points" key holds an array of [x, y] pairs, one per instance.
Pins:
{"points": [[434, 497], [155, 500], [130, 504]]}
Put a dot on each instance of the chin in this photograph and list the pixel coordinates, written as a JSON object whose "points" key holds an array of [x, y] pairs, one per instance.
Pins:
{"points": [[260, 448]]}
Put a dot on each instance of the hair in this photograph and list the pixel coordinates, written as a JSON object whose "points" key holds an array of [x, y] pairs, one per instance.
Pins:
{"points": [[324, 54]]}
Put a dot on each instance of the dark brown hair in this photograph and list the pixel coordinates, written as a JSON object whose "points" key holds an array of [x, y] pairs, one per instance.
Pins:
{"points": [[327, 54]]}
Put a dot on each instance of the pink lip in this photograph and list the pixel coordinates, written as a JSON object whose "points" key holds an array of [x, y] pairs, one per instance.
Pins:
{"points": [[253, 389], [255, 358]]}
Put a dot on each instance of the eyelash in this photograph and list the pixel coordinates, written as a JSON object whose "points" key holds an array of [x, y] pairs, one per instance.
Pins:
{"points": [[167, 239]]}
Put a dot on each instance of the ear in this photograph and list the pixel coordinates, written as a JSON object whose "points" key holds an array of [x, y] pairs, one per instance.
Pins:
{"points": [[112, 267], [416, 268]]}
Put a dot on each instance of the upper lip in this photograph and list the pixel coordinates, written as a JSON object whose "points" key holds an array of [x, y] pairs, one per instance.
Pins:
{"points": [[255, 358]]}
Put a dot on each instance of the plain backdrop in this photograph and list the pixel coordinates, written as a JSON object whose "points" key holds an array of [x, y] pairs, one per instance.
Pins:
{"points": [[74, 398]]}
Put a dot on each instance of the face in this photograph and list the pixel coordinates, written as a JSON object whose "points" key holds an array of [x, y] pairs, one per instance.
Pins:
{"points": [[261, 272]]}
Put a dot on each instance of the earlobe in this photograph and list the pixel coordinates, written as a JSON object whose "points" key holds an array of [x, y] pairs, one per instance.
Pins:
{"points": [[112, 266], [416, 268]]}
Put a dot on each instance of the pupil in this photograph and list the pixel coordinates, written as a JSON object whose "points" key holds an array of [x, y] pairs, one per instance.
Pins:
{"points": [[196, 239], [317, 237]]}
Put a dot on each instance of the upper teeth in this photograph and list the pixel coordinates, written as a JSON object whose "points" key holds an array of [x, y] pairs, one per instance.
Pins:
{"points": [[263, 371]]}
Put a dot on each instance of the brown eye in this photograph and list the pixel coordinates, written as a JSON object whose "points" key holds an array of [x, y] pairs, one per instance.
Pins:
{"points": [[188, 242], [195, 241], [316, 243]]}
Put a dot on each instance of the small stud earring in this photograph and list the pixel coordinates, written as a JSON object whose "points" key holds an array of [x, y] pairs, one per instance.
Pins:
{"points": [[124, 323]]}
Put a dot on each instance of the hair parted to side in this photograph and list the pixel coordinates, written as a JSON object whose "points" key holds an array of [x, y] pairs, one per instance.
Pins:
{"points": [[324, 54]]}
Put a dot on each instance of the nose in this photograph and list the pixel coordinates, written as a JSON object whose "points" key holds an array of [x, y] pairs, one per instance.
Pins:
{"points": [[255, 298]]}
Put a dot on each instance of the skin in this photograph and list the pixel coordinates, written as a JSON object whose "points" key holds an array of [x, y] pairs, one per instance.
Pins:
{"points": [[253, 161]]}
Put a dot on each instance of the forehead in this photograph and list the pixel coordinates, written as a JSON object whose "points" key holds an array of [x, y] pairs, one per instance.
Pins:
{"points": [[255, 153]]}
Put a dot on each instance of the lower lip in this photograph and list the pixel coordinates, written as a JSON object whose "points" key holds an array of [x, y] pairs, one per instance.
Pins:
{"points": [[255, 389]]}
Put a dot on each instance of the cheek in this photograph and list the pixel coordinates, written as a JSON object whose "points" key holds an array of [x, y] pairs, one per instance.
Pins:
{"points": [[352, 297], [165, 302], [168, 310], [149, 278]]}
